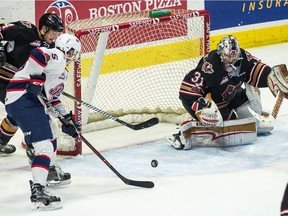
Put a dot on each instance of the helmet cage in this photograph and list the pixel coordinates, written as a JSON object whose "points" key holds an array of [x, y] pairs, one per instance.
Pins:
{"points": [[70, 46], [71, 56], [229, 50]]}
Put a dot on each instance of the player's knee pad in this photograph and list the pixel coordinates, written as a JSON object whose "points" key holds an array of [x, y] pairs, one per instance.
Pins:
{"points": [[44, 147], [254, 98]]}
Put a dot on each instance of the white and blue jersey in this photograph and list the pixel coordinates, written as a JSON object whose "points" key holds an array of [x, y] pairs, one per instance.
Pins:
{"points": [[28, 111], [41, 60]]}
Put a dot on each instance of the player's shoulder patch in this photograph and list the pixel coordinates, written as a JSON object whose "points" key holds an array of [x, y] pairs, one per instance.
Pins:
{"points": [[40, 56], [47, 57], [26, 23], [207, 67], [250, 57]]}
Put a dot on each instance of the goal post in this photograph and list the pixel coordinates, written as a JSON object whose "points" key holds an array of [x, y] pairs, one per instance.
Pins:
{"points": [[131, 67]]}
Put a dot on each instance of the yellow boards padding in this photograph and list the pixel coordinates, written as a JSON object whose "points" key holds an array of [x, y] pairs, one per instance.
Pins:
{"points": [[256, 37], [144, 57]]}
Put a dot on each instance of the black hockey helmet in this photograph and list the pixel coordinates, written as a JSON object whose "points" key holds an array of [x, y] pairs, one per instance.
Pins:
{"points": [[51, 21]]}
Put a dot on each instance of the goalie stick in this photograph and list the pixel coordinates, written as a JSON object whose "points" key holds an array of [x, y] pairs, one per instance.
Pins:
{"points": [[272, 116], [144, 184], [142, 125]]}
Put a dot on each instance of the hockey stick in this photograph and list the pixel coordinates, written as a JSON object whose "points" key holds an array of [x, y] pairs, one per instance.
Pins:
{"points": [[144, 184], [142, 125], [272, 116]]}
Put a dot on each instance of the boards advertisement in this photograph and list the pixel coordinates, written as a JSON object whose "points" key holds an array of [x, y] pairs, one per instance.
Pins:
{"points": [[81, 9], [227, 14]]}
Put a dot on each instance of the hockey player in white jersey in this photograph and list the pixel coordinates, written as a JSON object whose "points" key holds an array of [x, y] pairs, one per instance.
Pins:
{"points": [[44, 73]]}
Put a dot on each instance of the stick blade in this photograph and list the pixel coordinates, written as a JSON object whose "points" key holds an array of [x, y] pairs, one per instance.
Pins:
{"points": [[144, 184], [149, 123], [269, 122]]}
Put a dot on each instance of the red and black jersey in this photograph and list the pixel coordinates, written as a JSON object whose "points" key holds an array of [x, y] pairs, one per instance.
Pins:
{"points": [[21, 37], [210, 76]]}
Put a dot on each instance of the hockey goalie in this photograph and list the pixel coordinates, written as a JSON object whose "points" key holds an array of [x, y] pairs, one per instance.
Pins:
{"points": [[218, 94]]}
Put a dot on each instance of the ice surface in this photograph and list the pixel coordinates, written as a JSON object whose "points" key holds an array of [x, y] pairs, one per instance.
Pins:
{"points": [[244, 180]]}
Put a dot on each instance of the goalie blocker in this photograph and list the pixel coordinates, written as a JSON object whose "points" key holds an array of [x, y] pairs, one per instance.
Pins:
{"points": [[232, 133]]}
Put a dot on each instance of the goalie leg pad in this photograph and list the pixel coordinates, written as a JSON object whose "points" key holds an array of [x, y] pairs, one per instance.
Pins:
{"points": [[231, 133], [254, 102], [178, 140], [175, 141], [243, 112], [254, 98]]}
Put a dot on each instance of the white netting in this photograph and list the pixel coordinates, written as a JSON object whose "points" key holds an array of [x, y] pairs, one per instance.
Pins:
{"points": [[132, 66]]}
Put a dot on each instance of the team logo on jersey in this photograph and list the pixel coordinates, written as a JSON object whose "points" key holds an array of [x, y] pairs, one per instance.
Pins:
{"points": [[231, 91], [27, 24], [249, 56], [47, 57], [56, 91], [64, 9], [207, 68]]}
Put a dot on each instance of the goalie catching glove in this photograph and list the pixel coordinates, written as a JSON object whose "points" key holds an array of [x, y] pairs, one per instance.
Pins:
{"points": [[207, 112], [71, 125], [278, 80]]}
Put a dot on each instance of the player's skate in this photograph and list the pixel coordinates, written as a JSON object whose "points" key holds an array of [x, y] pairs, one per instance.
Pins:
{"points": [[175, 141], [7, 149], [42, 200], [57, 177]]}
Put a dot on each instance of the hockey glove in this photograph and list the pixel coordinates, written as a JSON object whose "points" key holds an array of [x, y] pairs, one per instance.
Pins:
{"points": [[2, 55], [36, 84], [71, 126]]}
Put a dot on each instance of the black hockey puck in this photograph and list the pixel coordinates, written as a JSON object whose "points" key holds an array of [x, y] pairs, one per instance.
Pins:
{"points": [[154, 163]]}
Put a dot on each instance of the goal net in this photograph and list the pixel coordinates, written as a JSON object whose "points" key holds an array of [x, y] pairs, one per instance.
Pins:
{"points": [[132, 66]]}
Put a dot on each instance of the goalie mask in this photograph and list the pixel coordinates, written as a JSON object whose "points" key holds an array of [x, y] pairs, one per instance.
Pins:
{"points": [[229, 51], [70, 46]]}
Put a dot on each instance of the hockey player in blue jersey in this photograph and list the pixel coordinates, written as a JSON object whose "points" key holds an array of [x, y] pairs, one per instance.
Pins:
{"points": [[44, 73]]}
